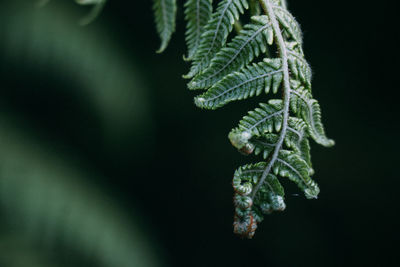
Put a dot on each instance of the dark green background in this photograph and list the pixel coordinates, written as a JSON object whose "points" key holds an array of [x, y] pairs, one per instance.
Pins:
{"points": [[174, 168]]}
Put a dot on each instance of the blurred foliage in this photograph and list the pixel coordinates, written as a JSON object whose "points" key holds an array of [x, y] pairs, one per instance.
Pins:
{"points": [[52, 211], [51, 207], [49, 39]]}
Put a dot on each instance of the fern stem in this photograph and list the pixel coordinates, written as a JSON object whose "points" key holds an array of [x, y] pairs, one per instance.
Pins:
{"points": [[267, 6]]}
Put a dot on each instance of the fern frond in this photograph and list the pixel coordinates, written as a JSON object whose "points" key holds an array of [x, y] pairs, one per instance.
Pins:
{"points": [[197, 14], [165, 15], [278, 130], [216, 32], [251, 81], [246, 46]]}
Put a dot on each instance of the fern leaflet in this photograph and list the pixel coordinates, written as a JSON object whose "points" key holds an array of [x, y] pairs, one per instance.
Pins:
{"points": [[251, 81], [165, 13], [197, 14]]}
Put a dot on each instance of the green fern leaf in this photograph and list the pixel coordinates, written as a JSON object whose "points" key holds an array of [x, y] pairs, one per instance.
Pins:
{"points": [[278, 130], [165, 13], [251, 81], [197, 14], [241, 68], [216, 32], [246, 46]]}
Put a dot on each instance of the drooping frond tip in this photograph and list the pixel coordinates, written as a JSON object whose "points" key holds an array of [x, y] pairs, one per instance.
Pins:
{"points": [[165, 16], [266, 56]]}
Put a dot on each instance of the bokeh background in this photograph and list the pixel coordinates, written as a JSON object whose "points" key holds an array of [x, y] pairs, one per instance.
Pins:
{"points": [[105, 160]]}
